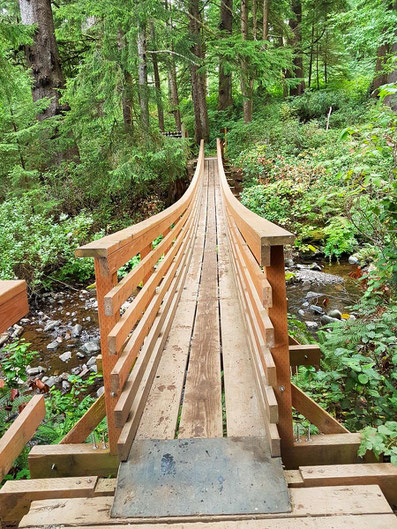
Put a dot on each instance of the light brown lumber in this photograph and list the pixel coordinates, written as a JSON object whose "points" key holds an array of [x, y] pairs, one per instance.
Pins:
{"points": [[105, 487], [123, 406], [51, 461], [88, 422], [120, 247], [16, 496], [160, 416], [10, 288], [337, 449], [20, 432], [382, 474], [130, 428], [325, 502], [258, 232], [243, 414], [315, 413], [304, 355], [142, 271], [126, 359], [362, 521], [202, 407], [13, 309]]}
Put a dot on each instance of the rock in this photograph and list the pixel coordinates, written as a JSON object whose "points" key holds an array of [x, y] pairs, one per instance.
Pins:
{"points": [[315, 266], [353, 260], [25, 321], [335, 314], [289, 262], [76, 370], [316, 309], [3, 338], [305, 304], [91, 361], [94, 369], [80, 355], [65, 357], [312, 276], [91, 347], [328, 319], [100, 391], [33, 371], [66, 385], [301, 312], [51, 381], [53, 345], [311, 295], [311, 325], [76, 330], [18, 330], [51, 325]]}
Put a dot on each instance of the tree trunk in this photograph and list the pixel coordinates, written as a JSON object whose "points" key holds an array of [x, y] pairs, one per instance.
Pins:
{"points": [[246, 83], [295, 25], [198, 78], [142, 74], [225, 79], [265, 31], [157, 82], [126, 97], [311, 57], [254, 20], [42, 56], [172, 79]]}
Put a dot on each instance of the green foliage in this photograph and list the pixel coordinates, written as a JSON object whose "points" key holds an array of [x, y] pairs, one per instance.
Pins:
{"points": [[340, 237], [381, 440], [17, 356]]}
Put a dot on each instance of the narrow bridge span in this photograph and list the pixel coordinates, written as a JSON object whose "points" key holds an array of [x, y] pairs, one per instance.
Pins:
{"points": [[197, 389]]}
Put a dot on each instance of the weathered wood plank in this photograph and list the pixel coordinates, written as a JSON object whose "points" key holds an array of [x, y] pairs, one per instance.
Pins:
{"points": [[13, 308], [16, 496], [315, 413], [304, 355], [20, 432], [202, 408], [88, 422], [68, 460], [326, 502]]}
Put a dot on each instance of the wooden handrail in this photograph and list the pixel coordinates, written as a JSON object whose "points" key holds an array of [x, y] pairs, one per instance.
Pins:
{"points": [[138, 329], [258, 260], [20, 432], [259, 233], [13, 303]]}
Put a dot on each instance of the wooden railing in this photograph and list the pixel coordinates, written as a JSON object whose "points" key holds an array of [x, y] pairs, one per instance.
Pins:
{"points": [[142, 328], [258, 258]]}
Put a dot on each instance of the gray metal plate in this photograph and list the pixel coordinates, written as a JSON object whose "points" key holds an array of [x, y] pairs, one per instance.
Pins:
{"points": [[189, 477]]}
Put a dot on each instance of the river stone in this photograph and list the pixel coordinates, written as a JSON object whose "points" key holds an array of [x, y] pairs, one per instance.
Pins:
{"points": [[310, 295], [353, 260], [315, 266], [51, 381], [100, 391], [305, 304], [80, 355], [91, 348], [76, 330], [18, 330], [91, 361], [33, 371], [53, 345], [311, 325], [316, 309], [328, 319], [65, 357], [335, 313], [301, 312], [66, 385], [76, 370], [51, 325], [312, 276]]}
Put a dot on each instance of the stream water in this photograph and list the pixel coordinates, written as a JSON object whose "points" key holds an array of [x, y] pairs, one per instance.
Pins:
{"points": [[64, 327]]}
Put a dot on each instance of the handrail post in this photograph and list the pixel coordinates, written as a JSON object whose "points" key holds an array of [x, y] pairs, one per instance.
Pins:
{"points": [[105, 281], [278, 314]]}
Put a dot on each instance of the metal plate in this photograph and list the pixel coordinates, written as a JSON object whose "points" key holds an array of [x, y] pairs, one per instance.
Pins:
{"points": [[189, 477]]}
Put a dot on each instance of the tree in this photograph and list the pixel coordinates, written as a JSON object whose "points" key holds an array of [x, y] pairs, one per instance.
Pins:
{"points": [[246, 82], [157, 81], [225, 99], [42, 55], [295, 25], [142, 73], [198, 77]]}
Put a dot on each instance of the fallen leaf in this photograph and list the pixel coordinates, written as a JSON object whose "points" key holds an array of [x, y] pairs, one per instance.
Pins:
{"points": [[14, 393]]}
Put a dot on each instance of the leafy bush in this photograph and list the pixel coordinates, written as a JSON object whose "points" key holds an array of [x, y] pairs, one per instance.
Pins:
{"points": [[381, 440]]}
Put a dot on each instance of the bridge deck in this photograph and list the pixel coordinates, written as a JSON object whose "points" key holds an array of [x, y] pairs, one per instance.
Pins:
{"points": [[207, 348]]}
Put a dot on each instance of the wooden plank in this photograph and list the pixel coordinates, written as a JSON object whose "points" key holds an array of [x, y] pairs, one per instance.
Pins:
{"points": [[16, 496], [258, 232], [325, 502], [50, 461], [130, 428], [88, 422], [304, 355], [362, 521], [13, 310], [105, 487], [119, 247], [382, 474], [315, 413], [20, 432], [243, 414], [202, 408], [160, 417], [126, 360], [337, 449], [10, 288]]}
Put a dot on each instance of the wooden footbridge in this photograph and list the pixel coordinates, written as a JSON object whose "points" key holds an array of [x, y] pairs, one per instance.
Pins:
{"points": [[198, 395]]}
